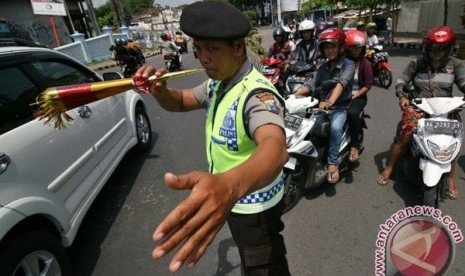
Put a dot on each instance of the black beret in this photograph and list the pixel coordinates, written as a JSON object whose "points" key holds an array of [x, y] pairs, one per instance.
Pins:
{"points": [[214, 20]]}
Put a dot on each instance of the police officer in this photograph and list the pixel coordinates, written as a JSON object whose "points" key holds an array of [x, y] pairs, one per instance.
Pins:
{"points": [[245, 144]]}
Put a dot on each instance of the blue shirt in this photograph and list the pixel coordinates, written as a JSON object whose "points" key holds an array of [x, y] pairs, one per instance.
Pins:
{"points": [[343, 72]]}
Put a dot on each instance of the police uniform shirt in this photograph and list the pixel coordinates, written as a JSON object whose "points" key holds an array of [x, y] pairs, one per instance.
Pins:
{"points": [[258, 110]]}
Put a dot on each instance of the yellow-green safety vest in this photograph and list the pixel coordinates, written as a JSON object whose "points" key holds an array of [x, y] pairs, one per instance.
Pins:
{"points": [[228, 143]]}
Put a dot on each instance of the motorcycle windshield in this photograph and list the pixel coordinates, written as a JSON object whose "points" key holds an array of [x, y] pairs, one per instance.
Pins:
{"points": [[439, 105]]}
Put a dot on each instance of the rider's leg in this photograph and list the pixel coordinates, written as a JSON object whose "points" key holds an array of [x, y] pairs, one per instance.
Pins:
{"points": [[453, 193], [398, 151], [408, 124], [355, 123], [337, 120]]}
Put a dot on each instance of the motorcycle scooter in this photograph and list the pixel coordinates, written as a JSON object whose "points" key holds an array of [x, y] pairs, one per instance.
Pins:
{"points": [[172, 63], [380, 66], [271, 69], [435, 144], [307, 146], [128, 67]]}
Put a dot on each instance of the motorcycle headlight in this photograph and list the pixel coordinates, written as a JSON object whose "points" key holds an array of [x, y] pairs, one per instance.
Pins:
{"points": [[442, 154]]}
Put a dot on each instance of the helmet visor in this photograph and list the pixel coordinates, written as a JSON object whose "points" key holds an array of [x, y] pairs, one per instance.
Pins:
{"points": [[437, 48]]}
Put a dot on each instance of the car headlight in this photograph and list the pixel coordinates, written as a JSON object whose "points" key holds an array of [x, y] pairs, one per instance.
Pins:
{"points": [[442, 154]]}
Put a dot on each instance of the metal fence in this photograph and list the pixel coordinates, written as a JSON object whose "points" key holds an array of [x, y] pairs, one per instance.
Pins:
{"points": [[98, 48]]}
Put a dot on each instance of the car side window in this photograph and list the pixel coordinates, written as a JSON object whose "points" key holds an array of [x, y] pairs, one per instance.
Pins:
{"points": [[16, 96], [58, 74]]}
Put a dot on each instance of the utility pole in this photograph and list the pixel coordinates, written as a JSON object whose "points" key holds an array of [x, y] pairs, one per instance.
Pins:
{"points": [[278, 8], [118, 11], [93, 18]]}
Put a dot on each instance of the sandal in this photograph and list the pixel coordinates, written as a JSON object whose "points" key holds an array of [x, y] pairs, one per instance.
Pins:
{"points": [[354, 155], [382, 181], [333, 175], [452, 194]]}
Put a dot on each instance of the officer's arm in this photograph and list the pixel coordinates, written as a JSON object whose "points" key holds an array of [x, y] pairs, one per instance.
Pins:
{"points": [[265, 163]]}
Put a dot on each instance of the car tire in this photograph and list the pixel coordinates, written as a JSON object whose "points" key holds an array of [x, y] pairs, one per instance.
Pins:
{"points": [[34, 252], [143, 130]]}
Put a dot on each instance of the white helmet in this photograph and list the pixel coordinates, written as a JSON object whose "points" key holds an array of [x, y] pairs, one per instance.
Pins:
{"points": [[306, 25]]}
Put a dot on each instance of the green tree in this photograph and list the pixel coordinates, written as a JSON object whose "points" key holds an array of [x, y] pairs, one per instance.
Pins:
{"points": [[134, 6], [105, 15]]}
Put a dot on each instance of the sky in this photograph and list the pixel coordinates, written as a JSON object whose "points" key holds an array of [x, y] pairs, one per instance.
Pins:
{"points": [[172, 3]]}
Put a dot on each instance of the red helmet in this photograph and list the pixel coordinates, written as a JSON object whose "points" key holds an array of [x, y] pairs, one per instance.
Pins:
{"points": [[332, 35], [356, 39], [438, 39]]}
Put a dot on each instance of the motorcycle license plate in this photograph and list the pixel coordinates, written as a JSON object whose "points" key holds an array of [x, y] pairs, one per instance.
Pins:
{"points": [[292, 121], [296, 79], [443, 127], [268, 71]]}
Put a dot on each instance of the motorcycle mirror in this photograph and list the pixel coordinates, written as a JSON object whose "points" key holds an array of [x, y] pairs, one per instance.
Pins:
{"points": [[408, 88], [417, 101]]}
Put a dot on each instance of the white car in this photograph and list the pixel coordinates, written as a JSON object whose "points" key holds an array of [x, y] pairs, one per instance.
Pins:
{"points": [[50, 177]]}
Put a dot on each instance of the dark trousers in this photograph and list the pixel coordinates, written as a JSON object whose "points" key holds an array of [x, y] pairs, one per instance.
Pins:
{"points": [[261, 246], [355, 122]]}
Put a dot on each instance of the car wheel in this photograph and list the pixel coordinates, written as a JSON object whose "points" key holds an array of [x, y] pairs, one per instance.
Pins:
{"points": [[34, 253], [143, 130]]}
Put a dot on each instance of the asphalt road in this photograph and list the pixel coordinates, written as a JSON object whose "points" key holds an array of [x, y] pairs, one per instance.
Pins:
{"points": [[330, 232]]}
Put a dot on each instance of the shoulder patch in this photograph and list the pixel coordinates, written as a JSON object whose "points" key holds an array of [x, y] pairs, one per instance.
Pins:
{"points": [[269, 100]]}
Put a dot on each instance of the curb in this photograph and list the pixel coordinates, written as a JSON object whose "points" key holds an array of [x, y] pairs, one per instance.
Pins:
{"points": [[403, 45]]}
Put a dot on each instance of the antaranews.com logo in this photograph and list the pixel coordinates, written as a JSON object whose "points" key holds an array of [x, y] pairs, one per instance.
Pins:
{"points": [[416, 241]]}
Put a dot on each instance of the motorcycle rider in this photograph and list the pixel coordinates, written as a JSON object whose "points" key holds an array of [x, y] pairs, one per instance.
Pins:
{"points": [[122, 53], [361, 26], [363, 79], [280, 48], [320, 27], [372, 42], [307, 48], [433, 75], [180, 41], [338, 67], [134, 48], [171, 48], [290, 39]]}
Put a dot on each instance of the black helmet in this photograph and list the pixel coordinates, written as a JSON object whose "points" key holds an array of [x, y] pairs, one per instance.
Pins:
{"points": [[125, 41], [164, 36], [178, 32], [118, 42], [279, 31], [130, 40]]}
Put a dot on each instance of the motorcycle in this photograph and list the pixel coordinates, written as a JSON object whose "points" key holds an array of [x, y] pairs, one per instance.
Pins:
{"points": [[436, 142], [380, 66], [299, 73], [128, 66], [307, 142], [172, 63], [271, 69]]}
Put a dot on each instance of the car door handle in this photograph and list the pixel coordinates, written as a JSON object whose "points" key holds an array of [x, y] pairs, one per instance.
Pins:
{"points": [[84, 112], [4, 162]]}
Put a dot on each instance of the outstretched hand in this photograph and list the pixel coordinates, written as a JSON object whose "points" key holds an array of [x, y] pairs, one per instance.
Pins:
{"points": [[194, 223]]}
